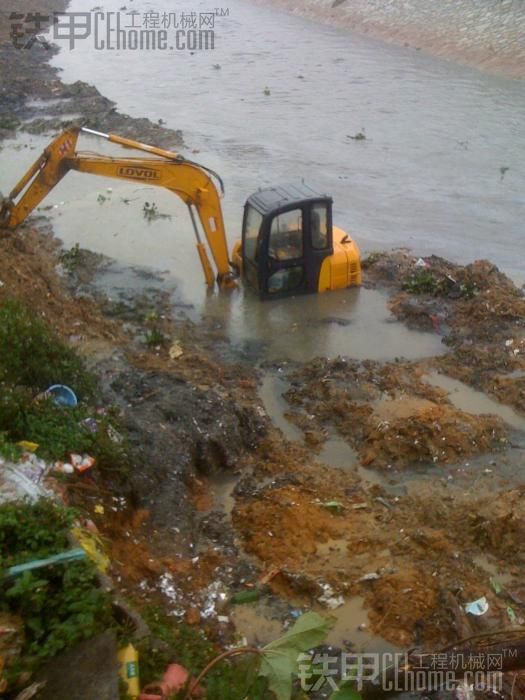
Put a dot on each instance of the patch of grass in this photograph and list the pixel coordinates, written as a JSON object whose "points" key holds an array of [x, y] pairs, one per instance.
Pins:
{"points": [[71, 258], [8, 450], [32, 355], [424, 282], [154, 337]]}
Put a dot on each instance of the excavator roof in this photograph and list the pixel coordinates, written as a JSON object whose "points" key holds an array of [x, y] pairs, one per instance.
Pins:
{"points": [[273, 198]]}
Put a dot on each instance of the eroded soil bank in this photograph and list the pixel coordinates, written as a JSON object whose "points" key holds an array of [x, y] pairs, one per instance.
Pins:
{"points": [[220, 499]]}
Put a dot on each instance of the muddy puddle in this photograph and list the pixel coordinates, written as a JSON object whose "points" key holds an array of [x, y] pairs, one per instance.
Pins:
{"points": [[468, 399], [335, 452]]}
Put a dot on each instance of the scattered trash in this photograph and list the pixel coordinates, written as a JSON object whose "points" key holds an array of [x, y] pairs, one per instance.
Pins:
{"points": [[128, 658], [62, 395], [32, 467], [93, 547], [268, 576], [28, 446], [90, 424], [99, 509], [63, 468], [360, 136], [421, 263], [496, 586], [175, 351], [511, 615], [383, 502], [82, 462], [174, 680], [477, 607], [62, 558], [245, 597], [373, 576], [329, 599], [333, 506], [114, 435]]}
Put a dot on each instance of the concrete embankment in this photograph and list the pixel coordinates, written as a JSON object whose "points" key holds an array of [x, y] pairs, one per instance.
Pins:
{"points": [[489, 34]]}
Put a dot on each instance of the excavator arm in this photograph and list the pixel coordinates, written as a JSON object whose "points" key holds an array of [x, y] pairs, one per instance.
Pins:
{"points": [[192, 182]]}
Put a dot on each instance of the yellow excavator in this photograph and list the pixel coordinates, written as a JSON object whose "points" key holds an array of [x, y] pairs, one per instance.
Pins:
{"points": [[289, 245]]}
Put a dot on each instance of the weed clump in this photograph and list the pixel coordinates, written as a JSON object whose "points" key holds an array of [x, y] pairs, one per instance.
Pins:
{"points": [[32, 355], [61, 604]]}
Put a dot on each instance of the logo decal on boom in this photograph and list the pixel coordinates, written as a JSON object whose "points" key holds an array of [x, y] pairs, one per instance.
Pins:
{"points": [[139, 173]]}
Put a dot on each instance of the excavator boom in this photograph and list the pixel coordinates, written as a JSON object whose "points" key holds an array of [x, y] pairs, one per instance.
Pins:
{"points": [[193, 183]]}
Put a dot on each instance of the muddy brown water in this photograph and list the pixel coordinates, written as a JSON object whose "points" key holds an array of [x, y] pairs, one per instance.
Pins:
{"points": [[428, 174]]}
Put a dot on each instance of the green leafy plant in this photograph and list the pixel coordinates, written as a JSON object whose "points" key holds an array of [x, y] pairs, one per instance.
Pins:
{"points": [[60, 605], [71, 258], [8, 450], [422, 282], [278, 662], [154, 337], [32, 355]]}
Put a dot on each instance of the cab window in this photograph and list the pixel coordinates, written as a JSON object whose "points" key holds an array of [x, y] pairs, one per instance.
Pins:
{"points": [[319, 226], [253, 223], [286, 236]]}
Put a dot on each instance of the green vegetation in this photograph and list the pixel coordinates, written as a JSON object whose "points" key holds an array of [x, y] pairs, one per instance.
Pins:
{"points": [[426, 282], [60, 605], [33, 356], [71, 258], [154, 337], [177, 642], [242, 672]]}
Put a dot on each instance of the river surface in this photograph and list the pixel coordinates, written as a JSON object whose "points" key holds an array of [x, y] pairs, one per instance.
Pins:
{"points": [[441, 169]]}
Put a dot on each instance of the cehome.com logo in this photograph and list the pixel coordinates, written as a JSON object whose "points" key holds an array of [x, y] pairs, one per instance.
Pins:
{"points": [[139, 173]]}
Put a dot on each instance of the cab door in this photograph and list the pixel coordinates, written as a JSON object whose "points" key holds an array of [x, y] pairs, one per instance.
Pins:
{"points": [[285, 254], [252, 246], [298, 241]]}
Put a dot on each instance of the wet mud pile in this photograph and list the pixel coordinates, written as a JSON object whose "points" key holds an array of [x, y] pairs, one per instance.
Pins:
{"points": [[414, 551]]}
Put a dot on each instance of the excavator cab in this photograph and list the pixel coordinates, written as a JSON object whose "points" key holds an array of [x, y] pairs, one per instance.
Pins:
{"points": [[287, 245]]}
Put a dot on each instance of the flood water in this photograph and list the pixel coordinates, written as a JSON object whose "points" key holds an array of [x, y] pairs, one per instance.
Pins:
{"points": [[427, 176]]}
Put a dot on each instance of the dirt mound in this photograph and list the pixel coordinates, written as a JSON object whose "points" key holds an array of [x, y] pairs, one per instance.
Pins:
{"points": [[390, 414]]}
